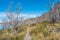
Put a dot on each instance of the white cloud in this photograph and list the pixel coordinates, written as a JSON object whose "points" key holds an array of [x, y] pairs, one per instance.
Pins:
{"points": [[25, 15], [3, 14]]}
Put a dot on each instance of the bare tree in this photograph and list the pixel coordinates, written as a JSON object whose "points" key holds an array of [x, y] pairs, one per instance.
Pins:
{"points": [[58, 11], [17, 16], [14, 18], [52, 16], [9, 14], [4, 24]]}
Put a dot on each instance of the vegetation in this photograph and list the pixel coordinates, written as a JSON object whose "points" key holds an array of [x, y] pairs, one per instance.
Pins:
{"points": [[41, 29], [37, 31]]}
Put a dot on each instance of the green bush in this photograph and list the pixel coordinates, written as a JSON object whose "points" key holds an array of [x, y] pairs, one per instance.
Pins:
{"points": [[1, 32], [43, 30], [9, 30]]}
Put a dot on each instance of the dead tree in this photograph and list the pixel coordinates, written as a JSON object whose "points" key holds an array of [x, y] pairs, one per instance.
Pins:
{"points": [[14, 18], [52, 16], [17, 16], [4, 24]]}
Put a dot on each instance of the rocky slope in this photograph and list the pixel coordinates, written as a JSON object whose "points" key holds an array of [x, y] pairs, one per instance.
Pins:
{"points": [[53, 13]]}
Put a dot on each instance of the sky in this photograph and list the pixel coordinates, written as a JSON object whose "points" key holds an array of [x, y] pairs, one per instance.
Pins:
{"points": [[29, 8], [33, 8]]}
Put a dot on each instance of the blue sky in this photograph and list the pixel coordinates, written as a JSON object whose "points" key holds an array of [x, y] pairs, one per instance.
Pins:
{"points": [[32, 7]]}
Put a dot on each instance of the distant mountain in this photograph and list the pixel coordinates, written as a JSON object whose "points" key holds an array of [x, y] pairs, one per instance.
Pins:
{"points": [[53, 13]]}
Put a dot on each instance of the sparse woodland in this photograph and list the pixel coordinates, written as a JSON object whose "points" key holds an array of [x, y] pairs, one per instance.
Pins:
{"points": [[45, 27]]}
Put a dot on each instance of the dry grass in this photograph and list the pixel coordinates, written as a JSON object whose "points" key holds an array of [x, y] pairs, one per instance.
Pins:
{"points": [[38, 31]]}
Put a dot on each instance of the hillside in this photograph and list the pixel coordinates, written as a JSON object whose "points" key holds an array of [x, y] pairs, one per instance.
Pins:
{"points": [[37, 31], [54, 13], [45, 27]]}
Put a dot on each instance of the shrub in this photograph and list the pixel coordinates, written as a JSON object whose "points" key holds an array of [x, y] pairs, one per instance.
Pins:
{"points": [[43, 29]]}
